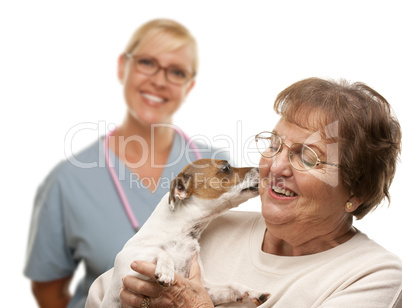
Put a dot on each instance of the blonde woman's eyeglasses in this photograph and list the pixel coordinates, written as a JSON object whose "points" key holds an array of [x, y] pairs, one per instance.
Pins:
{"points": [[150, 66]]}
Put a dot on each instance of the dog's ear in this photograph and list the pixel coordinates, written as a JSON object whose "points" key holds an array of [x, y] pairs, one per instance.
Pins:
{"points": [[179, 189]]}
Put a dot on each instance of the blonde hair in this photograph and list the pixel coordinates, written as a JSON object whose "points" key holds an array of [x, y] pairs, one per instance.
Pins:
{"points": [[171, 34]]}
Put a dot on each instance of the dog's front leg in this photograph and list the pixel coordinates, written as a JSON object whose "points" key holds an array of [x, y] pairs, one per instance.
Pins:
{"points": [[164, 271], [234, 292]]}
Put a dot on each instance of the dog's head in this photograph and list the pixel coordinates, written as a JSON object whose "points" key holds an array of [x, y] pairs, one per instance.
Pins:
{"points": [[210, 179]]}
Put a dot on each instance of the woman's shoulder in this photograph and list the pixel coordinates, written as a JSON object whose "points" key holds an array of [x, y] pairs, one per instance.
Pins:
{"points": [[89, 157], [363, 245], [235, 217], [233, 222], [73, 166], [208, 150]]}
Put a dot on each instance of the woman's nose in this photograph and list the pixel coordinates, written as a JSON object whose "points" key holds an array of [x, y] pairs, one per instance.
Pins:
{"points": [[159, 78], [280, 164]]}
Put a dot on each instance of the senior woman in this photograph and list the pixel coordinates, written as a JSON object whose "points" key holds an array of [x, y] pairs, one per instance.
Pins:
{"points": [[331, 156]]}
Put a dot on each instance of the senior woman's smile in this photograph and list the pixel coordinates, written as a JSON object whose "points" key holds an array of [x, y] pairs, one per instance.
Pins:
{"points": [[281, 193]]}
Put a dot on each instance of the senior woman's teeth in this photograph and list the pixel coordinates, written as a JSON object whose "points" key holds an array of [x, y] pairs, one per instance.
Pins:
{"points": [[283, 191], [153, 98]]}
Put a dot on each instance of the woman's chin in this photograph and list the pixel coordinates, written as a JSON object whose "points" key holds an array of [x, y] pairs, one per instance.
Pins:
{"points": [[277, 211], [147, 118]]}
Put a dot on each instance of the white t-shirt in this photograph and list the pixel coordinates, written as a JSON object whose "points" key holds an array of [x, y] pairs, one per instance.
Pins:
{"points": [[358, 273]]}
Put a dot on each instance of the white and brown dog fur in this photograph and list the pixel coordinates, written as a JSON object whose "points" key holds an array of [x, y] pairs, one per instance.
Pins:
{"points": [[203, 190]]}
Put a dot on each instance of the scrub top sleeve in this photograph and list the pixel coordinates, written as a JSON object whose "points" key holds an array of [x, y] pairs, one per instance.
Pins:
{"points": [[222, 154], [48, 256], [208, 151]]}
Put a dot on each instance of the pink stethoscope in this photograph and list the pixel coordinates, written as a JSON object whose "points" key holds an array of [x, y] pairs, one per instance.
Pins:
{"points": [[118, 186]]}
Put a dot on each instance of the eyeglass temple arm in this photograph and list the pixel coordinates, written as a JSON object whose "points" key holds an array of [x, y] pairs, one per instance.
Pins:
{"points": [[324, 162]]}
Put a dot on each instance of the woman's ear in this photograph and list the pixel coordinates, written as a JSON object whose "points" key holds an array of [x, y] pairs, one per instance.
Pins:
{"points": [[121, 67], [190, 87], [353, 203]]}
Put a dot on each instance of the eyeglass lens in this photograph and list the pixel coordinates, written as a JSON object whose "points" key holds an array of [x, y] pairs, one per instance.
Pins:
{"points": [[173, 74], [300, 156], [268, 144]]}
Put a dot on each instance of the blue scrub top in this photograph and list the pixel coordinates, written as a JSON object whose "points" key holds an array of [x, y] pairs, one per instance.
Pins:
{"points": [[78, 215]]}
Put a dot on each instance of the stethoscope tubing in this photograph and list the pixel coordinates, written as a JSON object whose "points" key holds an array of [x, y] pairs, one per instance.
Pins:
{"points": [[123, 198]]}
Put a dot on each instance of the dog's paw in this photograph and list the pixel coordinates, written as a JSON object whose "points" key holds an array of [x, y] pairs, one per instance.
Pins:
{"points": [[235, 292], [254, 297], [164, 280], [164, 271], [164, 275]]}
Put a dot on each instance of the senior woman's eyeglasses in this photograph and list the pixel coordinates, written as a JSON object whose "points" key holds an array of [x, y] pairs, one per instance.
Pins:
{"points": [[301, 156], [150, 66]]}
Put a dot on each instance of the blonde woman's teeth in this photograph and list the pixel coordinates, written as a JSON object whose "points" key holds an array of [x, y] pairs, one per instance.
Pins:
{"points": [[153, 98]]}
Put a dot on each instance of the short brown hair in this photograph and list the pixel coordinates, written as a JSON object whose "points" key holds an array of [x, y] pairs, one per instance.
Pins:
{"points": [[369, 136]]}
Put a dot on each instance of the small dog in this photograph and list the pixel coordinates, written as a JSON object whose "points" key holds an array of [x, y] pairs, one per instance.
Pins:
{"points": [[203, 190]]}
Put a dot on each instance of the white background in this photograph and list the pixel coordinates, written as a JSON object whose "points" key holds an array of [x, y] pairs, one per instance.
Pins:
{"points": [[58, 70]]}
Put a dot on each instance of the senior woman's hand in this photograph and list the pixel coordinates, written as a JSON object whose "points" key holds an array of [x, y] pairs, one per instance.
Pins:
{"points": [[182, 293]]}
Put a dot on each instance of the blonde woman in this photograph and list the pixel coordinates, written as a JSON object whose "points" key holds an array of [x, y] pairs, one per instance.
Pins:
{"points": [[87, 214]]}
